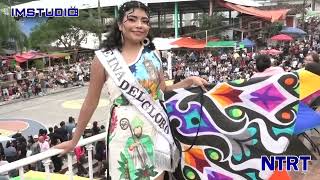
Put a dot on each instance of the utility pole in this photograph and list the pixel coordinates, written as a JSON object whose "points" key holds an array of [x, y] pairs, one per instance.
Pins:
{"points": [[303, 15], [100, 23], [313, 5]]}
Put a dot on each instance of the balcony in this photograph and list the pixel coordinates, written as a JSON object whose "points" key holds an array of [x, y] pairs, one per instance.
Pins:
{"points": [[45, 158]]}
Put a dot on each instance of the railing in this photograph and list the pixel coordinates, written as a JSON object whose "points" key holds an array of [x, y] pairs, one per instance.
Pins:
{"points": [[45, 158]]}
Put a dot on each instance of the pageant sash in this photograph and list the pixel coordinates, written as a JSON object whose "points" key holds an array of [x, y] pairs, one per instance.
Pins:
{"points": [[123, 78]]}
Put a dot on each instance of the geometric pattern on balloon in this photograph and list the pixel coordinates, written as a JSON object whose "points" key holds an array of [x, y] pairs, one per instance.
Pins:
{"points": [[225, 131]]}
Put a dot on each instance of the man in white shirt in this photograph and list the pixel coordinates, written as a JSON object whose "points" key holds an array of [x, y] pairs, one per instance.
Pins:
{"points": [[44, 145], [211, 79], [223, 57]]}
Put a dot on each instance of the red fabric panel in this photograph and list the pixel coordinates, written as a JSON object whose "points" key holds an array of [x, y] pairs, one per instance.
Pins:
{"points": [[28, 56], [270, 15]]}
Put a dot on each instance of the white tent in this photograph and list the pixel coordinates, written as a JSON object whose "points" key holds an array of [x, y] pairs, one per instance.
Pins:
{"points": [[250, 3], [164, 43]]}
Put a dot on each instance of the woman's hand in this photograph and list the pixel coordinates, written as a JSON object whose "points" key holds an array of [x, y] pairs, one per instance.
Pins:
{"points": [[66, 146], [197, 81]]}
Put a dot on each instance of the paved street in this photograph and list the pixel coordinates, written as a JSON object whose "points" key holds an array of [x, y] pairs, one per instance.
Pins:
{"points": [[50, 110]]}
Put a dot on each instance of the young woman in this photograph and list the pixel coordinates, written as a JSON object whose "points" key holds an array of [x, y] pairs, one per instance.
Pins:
{"points": [[131, 136], [311, 57]]}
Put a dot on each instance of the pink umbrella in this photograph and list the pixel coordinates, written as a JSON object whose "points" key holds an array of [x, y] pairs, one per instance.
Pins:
{"points": [[271, 51], [282, 37], [264, 51], [274, 52]]}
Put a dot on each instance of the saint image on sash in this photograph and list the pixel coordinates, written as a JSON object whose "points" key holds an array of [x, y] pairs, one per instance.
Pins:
{"points": [[137, 159]]}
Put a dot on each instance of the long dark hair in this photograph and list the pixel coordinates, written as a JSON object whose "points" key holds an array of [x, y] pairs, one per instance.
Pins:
{"points": [[114, 40], [315, 56]]}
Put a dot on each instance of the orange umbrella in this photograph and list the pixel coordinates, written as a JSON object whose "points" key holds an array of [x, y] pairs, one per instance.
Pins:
{"points": [[188, 42]]}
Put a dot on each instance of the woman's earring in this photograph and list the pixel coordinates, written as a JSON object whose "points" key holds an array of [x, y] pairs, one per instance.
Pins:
{"points": [[122, 39], [146, 41]]}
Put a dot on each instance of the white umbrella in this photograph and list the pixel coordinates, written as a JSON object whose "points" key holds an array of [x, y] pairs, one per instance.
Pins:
{"points": [[5, 138]]}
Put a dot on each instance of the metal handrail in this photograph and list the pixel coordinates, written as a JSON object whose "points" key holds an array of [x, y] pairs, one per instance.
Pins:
{"points": [[47, 154]]}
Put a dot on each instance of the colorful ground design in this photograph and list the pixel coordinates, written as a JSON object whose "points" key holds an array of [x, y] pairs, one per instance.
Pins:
{"points": [[27, 127], [10, 127], [76, 104]]}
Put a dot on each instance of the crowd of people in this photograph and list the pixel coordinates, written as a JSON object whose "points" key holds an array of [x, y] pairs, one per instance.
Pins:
{"points": [[22, 147], [25, 83], [141, 150], [228, 64], [221, 66], [224, 65]]}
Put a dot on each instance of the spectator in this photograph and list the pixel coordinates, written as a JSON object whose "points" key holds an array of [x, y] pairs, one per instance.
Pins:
{"points": [[41, 132], [312, 57], [70, 125], [313, 67], [100, 155], [62, 131], [80, 155], [10, 152], [56, 160], [264, 68], [1, 151], [35, 149], [54, 137], [95, 128], [44, 145], [21, 145], [102, 129], [36, 82]]}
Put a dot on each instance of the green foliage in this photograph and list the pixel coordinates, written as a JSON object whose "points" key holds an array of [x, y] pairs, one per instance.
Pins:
{"points": [[73, 30], [214, 23], [38, 64], [274, 29], [14, 2], [123, 167], [146, 173], [215, 52], [10, 31]]}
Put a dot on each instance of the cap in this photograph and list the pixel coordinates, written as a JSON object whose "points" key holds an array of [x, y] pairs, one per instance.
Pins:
{"points": [[35, 137], [89, 126]]}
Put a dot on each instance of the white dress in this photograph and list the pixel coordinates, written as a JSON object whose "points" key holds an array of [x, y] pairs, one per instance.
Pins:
{"points": [[131, 136]]}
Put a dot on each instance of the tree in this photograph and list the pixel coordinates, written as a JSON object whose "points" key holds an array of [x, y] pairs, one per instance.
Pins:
{"points": [[14, 2], [10, 31], [273, 29], [214, 23], [67, 31]]}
